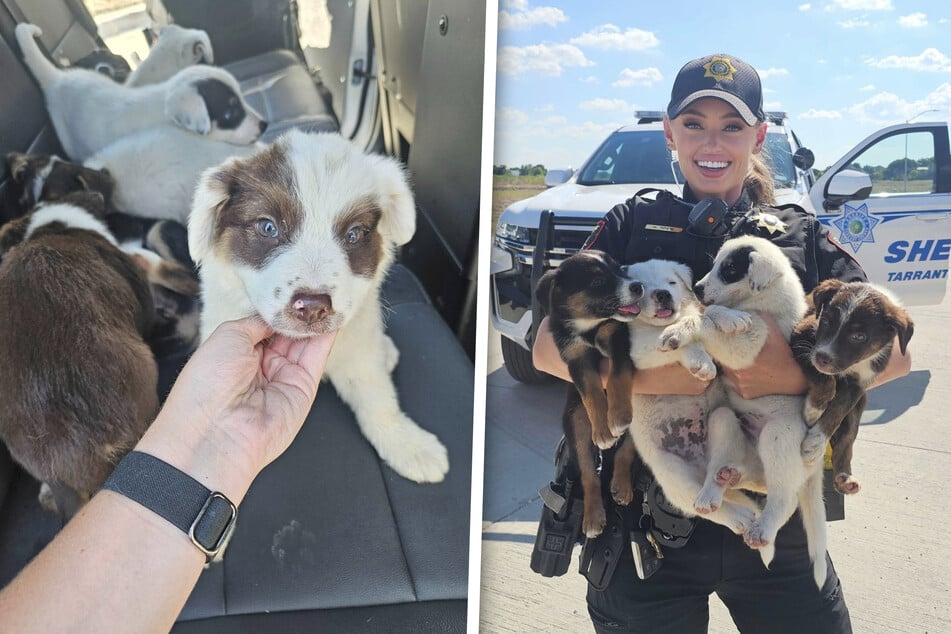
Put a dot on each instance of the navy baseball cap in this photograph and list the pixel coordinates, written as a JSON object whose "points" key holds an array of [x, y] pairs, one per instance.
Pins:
{"points": [[724, 77]]}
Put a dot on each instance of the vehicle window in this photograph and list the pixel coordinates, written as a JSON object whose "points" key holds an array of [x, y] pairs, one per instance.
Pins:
{"points": [[778, 157], [630, 157], [900, 164]]}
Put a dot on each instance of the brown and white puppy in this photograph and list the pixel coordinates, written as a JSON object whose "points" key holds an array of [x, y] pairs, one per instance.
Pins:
{"points": [[78, 381], [588, 299], [302, 233], [843, 343], [47, 177]]}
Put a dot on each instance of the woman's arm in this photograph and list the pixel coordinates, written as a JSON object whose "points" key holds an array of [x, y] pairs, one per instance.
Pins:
{"points": [[668, 379], [236, 406]]}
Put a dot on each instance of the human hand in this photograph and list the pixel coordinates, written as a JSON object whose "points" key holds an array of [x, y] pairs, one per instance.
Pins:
{"points": [[775, 370], [238, 404], [668, 379]]}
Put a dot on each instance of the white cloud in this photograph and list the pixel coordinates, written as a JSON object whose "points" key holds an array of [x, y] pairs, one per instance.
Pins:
{"points": [[812, 113], [772, 105], [863, 5], [642, 77], [554, 120], [610, 37], [510, 115], [867, 88], [590, 79], [930, 59], [913, 21], [521, 17], [605, 104], [887, 108], [547, 59], [853, 24], [805, 7], [773, 72]]}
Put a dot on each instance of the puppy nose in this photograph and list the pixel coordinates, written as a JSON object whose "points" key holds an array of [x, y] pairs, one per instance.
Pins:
{"points": [[311, 307], [662, 296], [822, 358], [698, 291], [263, 126]]}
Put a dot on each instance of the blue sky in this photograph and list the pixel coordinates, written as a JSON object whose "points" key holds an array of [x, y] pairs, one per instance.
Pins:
{"points": [[569, 72]]}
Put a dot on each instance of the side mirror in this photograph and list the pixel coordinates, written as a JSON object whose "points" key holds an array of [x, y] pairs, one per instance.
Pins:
{"points": [[803, 158], [847, 185], [558, 177]]}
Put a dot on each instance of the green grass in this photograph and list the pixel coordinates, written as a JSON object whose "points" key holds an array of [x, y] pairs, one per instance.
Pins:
{"points": [[901, 187], [509, 189]]}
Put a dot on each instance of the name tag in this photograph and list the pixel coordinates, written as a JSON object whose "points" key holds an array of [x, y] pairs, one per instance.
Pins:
{"points": [[664, 228]]}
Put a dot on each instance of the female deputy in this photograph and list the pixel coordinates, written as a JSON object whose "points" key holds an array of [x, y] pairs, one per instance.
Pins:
{"points": [[716, 124]]}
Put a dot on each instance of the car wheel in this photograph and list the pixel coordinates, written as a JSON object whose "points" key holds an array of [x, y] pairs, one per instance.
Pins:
{"points": [[518, 362]]}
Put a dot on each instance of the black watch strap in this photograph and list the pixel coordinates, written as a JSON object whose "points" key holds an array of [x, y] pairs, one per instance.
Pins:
{"points": [[207, 517]]}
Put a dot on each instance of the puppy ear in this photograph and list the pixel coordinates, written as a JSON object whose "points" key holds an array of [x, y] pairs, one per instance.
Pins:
{"points": [[903, 326], [824, 292], [399, 208], [762, 271], [543, 291], [17, 162], [12, 233], [201, 51], [683, 273], [184, 106], [211, 194]]}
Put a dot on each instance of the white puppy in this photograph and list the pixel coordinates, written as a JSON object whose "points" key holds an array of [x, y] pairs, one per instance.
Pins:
{"points": [[668, 431], [89, 111], [751, 274], [176, 48], [302, 234], [156, 170]]}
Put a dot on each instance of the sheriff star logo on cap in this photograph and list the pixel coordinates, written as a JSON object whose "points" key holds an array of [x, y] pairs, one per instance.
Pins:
{"points": [[769, 222], [720, 68]]}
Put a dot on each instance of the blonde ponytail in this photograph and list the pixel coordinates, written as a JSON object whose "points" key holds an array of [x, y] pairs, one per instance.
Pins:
{"points": [[759, 183]]}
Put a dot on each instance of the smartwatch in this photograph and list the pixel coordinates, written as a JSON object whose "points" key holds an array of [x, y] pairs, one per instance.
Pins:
{"points": [[207, 517]]}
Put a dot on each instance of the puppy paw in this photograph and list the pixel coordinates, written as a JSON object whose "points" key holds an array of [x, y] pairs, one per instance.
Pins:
{"points": [[757, 537], [47, 499], [847, 483], [413, 452], [813, 446], [811, 413], [728, 476], [594, 522], [391, 354], [709, 499], [728, 320], [705, 371], [619, 421], [621, 490], [672, 337], [735, 517], [603, 438]]}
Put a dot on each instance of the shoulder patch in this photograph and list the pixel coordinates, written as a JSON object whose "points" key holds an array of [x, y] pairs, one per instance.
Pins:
{"points": [[593, 237]]}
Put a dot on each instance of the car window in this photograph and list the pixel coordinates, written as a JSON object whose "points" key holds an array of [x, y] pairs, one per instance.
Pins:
{"points": [[900, 164], [778, 157], [630, 157]]}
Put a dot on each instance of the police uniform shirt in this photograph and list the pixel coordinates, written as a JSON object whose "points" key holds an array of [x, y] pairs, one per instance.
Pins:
{"points": [[640, 229]]}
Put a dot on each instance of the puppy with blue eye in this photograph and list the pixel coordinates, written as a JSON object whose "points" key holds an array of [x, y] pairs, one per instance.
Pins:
{"points": [[302, 234]]}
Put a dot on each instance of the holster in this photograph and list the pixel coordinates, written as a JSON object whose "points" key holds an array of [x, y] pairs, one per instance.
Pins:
{"points": [[559, 528]]}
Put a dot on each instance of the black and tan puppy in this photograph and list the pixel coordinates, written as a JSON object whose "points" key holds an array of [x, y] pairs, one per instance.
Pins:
{"points": [[78, 381], [588, 298], [47, 177], [843, 343]]}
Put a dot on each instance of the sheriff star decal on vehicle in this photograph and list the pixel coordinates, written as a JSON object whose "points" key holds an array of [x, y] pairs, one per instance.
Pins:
{"points": [[856, 225]]}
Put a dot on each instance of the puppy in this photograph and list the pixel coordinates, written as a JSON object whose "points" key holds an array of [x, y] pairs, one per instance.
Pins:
{"points": [[302, 234], [156, 169], [668, 430], [36, 177], [77, 382], [588, 298], [89, 111], [176, 48], [843, 343], [755, 443]]}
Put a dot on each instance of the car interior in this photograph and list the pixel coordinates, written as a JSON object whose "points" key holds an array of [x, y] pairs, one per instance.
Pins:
{"points": [[328, 538]]}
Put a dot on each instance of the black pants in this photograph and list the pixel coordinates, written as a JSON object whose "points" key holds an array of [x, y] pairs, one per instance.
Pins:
{"points": [[675, 599]]}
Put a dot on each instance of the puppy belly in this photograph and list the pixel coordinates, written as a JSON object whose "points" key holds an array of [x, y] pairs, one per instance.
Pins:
{"points": [[683, 434]]}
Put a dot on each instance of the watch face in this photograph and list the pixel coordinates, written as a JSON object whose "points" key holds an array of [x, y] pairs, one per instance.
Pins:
{"points": [[214, 524]]}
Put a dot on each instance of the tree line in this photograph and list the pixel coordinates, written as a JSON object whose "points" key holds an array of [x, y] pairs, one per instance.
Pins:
{"points": [[524, 170]]}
